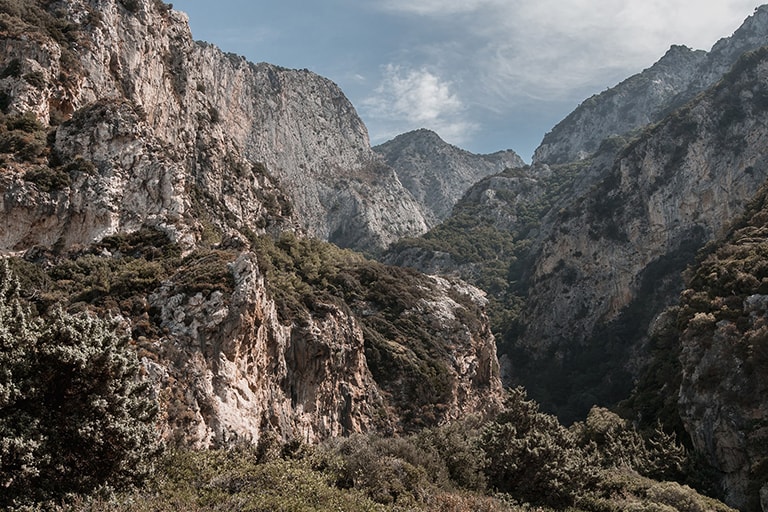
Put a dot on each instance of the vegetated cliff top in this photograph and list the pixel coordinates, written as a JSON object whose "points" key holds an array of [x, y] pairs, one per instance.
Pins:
{"points": [[436, 173], [650, 95]]}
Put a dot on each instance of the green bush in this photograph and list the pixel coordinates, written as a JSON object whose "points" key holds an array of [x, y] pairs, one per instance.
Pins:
{"points": [[614, 443], [75, 416], [532, 457], [47, 179]]}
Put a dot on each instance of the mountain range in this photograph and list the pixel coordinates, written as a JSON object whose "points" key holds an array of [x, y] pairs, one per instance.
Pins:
{"points": [[279, 277]]}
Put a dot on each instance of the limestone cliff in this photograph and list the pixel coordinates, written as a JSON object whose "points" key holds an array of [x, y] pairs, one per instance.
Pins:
{"points": [[650, 95], [612, 258], [722, 351], [206, 126], [436, 173], [147, 176]]}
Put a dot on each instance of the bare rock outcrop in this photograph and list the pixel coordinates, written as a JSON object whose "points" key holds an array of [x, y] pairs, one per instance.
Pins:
{"points": [[233, 128], [438, 174]]}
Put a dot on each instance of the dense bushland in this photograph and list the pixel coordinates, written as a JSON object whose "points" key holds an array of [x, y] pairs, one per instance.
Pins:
{"points": [[522, 460]]}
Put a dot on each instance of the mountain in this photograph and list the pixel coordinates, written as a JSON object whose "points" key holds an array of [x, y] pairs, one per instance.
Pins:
{"points": [[582, 253], [649, 96], [191, 118], [189, 193], [719, 341], [436, 173]]}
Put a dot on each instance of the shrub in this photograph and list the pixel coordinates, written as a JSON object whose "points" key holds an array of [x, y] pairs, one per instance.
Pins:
{"points": [[74, 412], [47, 179], [532, 457], [614, 443]]}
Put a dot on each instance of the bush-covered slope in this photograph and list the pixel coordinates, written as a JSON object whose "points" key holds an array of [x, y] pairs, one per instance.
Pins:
{"points": [[714, 350]]}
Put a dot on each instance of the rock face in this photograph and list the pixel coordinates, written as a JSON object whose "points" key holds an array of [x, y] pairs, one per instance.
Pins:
{"points": [[612, 258], [228, 370], [230, 367], [650, 95], [436, 173], [723, 360], [115, 122], [205, 125]]}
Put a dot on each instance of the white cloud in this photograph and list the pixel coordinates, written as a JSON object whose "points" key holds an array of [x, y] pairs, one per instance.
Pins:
{"points": [[433, 7], [519, 50], [408, 99]]}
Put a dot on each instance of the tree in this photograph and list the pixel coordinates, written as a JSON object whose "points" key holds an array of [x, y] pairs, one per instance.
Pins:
{"points": [[532, 457], [75, 415]]}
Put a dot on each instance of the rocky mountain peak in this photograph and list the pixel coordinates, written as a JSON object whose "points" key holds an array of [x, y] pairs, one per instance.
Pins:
{"points": [[437, 173], [650, 95]]}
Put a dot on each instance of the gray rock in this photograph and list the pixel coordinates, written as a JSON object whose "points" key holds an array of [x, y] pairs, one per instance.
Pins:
{"points": [[649, 96], [438, 174]]}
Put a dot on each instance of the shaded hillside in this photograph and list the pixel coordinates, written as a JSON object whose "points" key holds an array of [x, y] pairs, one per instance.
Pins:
{"points": [[576, 283], [713, 350]]}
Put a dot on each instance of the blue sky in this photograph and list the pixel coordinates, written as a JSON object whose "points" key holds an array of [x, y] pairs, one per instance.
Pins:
{"points": [[485, 75]]}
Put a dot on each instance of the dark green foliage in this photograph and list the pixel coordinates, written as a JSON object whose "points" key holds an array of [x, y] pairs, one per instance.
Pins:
{"points": [[13, 69], [532, 456], [458, 445], [35, 19], [205, 272], [389, 470], [613, 443], [48, 179], [74, 413], [131, 5], [23, 137], [35, 79]]}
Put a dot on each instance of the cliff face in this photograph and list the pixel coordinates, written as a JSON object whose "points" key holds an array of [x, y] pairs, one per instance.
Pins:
{"points": [[436, 173], [722, 332], [231, 367], [206, 124], [650, 95], [611, 259], [115, 124]]}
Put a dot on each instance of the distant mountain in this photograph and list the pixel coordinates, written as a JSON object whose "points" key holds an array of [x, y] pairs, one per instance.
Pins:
{"points": [[650, 95], [436, 173]]}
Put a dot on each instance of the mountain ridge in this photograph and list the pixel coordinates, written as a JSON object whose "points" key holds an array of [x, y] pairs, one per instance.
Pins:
{"points": [[436, 173], [650, 95]]}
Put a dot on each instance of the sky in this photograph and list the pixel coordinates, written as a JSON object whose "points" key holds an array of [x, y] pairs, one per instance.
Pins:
{"points": [[486, 75]]}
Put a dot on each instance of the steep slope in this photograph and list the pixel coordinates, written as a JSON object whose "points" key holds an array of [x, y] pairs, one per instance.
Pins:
{"points": [[579, 258], [650, 95], [723, 352], [143, 176], [436, 173], [201, 118], [612, 258]]}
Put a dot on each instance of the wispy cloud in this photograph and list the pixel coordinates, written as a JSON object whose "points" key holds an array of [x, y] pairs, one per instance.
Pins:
{"points": [[408, 99], [516, 51], [434, 7]]}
